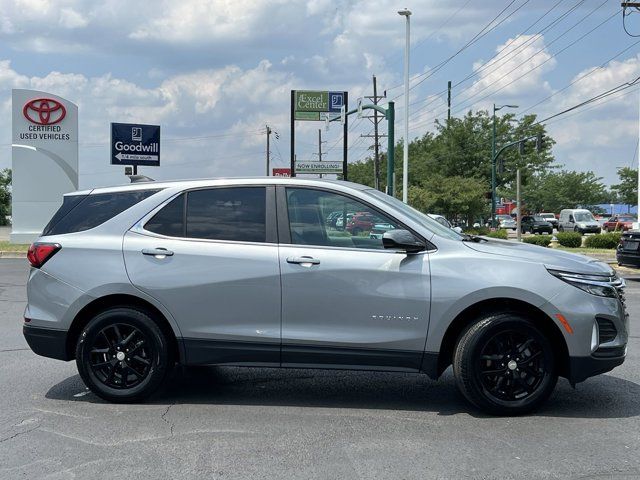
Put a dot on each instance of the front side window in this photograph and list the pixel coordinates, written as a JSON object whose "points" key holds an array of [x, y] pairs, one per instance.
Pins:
{"points": [[316, 217], [229, 213], [169, 220]]}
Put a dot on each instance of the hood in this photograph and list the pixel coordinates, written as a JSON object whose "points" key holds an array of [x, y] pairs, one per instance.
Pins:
{"points": [[549, 257]]}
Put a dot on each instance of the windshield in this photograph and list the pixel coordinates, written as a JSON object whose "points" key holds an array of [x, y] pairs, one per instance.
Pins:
{"points": [[415, 215], [547, 215], [584, 217], [538, 218]]}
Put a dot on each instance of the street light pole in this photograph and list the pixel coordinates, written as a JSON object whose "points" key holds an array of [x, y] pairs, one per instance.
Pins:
{"points": [[493, 163], [405, 151]]}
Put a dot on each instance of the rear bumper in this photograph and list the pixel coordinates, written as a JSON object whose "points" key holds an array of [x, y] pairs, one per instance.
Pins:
{"points": [[581, 368], [628, 258], [46, 341]]}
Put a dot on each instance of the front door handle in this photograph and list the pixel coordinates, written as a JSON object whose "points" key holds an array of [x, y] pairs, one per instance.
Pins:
{"points": [[304, 261], [157, 252]]}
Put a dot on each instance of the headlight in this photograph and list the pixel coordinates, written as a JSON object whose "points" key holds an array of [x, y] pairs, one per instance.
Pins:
{"points": [[599, 285], [581, 225]]}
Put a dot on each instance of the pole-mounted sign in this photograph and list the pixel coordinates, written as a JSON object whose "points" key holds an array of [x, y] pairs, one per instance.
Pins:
{"points": [[135, 144], [316, 106]]}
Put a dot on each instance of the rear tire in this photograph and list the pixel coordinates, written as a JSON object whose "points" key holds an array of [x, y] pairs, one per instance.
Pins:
{"points": [[504, 365], [122, 355]]}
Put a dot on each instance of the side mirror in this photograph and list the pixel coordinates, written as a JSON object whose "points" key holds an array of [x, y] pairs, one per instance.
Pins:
{"points": [[457, 229], [402, 240]]}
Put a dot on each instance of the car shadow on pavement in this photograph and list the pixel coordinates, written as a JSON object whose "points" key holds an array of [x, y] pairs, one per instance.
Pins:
{"points": [[604, 396]]}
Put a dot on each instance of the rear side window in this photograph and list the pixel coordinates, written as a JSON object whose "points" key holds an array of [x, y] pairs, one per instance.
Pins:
{"points": [[170, 220], [232, 213], [94, 210], [68, 203]]}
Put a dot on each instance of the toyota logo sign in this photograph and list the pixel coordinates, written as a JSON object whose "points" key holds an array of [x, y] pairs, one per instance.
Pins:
{"points": [[44, 111]]}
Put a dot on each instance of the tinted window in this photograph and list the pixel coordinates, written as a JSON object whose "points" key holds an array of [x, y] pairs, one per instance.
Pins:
{"points": [[227, 214], [94, 210], [68, 204], [310, 221], [170, 220]]}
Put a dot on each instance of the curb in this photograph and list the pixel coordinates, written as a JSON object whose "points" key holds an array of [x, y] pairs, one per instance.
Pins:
{"points": [[21, 255]]}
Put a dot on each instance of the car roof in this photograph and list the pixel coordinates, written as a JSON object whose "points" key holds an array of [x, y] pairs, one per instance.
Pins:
{"points": [[220, 181]]}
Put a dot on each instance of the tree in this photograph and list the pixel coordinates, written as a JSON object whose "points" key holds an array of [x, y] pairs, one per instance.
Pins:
{"points": [[627, 189], [553, 191], [5, 195]]}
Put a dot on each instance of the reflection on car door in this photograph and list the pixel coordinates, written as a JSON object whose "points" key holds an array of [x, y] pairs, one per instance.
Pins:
{"points": [[346, 300]]}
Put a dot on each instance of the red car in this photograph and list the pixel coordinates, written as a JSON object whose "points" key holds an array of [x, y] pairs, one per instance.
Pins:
{"points": [[619, 222], [360, 222]]}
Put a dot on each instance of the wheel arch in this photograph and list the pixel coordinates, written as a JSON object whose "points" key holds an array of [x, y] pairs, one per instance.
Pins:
{"points": [[108, 302], [497, 305]]}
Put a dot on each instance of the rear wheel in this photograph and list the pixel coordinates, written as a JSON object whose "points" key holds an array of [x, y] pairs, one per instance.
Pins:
{"points": [[504, 365], [122, 355]]}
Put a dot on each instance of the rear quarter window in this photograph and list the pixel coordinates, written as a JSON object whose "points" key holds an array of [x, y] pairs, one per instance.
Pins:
{"points": [[93, 210]]}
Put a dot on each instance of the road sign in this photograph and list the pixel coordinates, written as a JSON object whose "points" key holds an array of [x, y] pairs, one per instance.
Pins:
{"points": [[318, 167], [310, 104], [135, 144], [281, 172]]}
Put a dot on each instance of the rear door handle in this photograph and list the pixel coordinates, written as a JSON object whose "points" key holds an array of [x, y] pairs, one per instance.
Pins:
{"points": [[157, 252], [304, 260]]}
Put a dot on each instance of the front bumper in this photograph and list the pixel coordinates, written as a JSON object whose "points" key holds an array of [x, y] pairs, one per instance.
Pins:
{"points": [[590, 230], [581, 368], [47, 342], [628, 257]]}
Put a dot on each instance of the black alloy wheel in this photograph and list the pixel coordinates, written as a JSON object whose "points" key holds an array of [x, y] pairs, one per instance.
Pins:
{"points": [[511, 365], [123, 355], [504, 364]]}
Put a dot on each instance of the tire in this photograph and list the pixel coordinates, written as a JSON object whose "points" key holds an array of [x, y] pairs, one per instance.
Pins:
{"points": [[102, 355], [355, 232], [484, 391], [560, 229], [576, 229]]}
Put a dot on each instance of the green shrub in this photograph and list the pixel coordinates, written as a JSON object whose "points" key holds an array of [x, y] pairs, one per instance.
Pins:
{"points": [[569, 239], [542, 240], [500, 233], [603, 240]]}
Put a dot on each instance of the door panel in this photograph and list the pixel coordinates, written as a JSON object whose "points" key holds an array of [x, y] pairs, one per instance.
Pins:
{"points": [[222, 289], [357, 305]]}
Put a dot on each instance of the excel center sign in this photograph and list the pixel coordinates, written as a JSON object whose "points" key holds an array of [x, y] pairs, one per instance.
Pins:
{"points": [[312, 105]]}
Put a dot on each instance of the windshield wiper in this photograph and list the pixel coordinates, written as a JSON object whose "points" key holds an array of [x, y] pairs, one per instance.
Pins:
{"points": [[472, 238]]}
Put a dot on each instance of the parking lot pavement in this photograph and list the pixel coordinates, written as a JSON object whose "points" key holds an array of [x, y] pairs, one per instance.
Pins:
{"points": [[268, 423]]}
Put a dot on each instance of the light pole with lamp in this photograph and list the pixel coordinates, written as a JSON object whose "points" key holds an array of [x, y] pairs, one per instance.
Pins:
{"points": [[405, 151], [493, 162]]}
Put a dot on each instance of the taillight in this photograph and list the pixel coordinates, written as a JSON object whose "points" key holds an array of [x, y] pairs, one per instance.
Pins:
{"points": [[39, 253]]}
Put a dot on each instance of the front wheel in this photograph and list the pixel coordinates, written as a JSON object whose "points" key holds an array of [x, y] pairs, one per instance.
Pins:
{"points": [[122, 355], [504, 365]]}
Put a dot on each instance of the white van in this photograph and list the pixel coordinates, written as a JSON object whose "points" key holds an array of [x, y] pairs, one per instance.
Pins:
{"points": [[578, 220]]}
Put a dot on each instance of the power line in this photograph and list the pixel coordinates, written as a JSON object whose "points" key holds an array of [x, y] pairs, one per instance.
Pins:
{"points": [[473, 40]]}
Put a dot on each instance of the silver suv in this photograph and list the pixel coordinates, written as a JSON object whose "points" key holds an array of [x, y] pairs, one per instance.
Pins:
{"points": [[129, 281]]}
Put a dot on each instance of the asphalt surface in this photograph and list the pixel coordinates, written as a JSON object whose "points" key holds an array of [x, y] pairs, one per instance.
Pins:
{"points": [[268, 423]]}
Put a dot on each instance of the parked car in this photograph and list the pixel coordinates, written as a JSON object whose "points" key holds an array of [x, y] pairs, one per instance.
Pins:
{"points": [[332, 218], [444, 222], [508, 222], [619, 222], [379, 229], [535, 224], [361, 222], [128, 281], [628, 252], [578, 220], [549, 217], [340, 220]]}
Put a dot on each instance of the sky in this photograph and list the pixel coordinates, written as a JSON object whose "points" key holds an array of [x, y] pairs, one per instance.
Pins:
{"points": [[214, 73]]}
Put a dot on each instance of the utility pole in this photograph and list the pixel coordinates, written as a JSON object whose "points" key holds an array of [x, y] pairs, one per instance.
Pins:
{"points": [[268, 134], [448, 101], [320, 142], [376, 119], [519, 206]]}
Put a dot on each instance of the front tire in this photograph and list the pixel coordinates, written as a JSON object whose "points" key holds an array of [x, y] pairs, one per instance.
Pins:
{"points": [[122, 355], [504, 365]]}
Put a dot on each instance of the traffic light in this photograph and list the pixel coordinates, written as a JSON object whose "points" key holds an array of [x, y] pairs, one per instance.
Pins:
{"points": [[540, 142], [521, 148]]}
